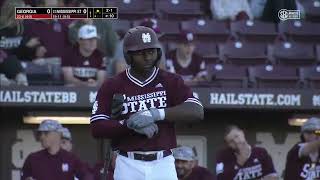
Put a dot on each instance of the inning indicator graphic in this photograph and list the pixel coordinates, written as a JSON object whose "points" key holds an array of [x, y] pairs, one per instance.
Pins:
{"points": [[66, 13]]}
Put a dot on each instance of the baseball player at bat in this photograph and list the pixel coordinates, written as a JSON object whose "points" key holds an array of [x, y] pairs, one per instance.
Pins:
{"points": [[153, 99], [303, 160]]}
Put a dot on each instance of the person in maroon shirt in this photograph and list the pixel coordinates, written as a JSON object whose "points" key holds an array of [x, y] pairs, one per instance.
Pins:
{"points": [[303, 160], [84, 65], [52, 162], [51, 35], [152, 98], [240, 161], [185, 165], [66, 141], [185, 62]]}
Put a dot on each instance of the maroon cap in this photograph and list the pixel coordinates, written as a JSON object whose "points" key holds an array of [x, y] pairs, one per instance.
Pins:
{"points": [[186, 37], [151, 23]]}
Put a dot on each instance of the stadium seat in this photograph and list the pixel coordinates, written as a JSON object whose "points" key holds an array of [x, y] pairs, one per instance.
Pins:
{"points": [[274, 76], [204, 5], [227, 75], [292, 53], [208, 51], [206, 30], [243, 53], [43, 74], [98, 3], [311, 76], [120, 26], [169, 29], [254, 31], [178, 9], [300, 30], [312, 9], [133, 9]]}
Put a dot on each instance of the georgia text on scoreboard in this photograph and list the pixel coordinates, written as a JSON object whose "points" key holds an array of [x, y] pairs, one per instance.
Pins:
{"points": [[66, 12]]}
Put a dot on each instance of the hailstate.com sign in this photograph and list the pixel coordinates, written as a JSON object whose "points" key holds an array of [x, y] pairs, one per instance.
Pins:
{"points": [[306, 99], [211, 98], [255, 99]]}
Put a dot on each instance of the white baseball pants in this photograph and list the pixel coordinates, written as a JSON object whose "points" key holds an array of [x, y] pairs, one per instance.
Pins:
{"points": [[130, 169]]}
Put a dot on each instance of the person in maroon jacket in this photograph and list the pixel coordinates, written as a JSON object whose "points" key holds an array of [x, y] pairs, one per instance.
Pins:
{"points": [[84, 64], [144, 133], [185, 62], [241, 161], [185, 165], [303, 160], [52, 162]]}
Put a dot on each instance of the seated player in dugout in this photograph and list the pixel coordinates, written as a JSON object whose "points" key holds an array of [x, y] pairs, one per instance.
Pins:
{"points": [[185, 62], [53, 162], [241, 160], [303, 160], [84, 64], [186, 166], [141, 124]]}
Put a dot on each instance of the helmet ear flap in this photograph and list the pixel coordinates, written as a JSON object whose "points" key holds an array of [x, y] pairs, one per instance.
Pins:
{"points": [[159, 53], [128, 58]]}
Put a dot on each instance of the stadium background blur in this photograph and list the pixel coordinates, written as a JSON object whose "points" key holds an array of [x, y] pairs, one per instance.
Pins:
{"points": [[261, 72]]}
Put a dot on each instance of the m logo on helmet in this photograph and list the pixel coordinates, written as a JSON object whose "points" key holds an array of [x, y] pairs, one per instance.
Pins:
{"points": [[146, 38]]}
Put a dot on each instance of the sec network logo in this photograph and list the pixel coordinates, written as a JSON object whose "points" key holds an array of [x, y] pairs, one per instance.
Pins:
{"points": [[285, 14]]}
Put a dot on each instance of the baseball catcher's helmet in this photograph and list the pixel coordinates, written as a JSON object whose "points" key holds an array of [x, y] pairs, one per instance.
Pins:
{"points": [[139, 38]]}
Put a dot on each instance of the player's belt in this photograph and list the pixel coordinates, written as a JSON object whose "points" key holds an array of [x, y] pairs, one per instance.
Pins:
{"points": [[146, 157]]}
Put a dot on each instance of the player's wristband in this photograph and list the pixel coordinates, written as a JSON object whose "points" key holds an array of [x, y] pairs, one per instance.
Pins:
{"points": [[157, 114], [162, 114]]}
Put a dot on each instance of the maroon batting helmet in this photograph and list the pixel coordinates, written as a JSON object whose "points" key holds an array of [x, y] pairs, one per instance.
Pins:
{"points": [[139, 38]]}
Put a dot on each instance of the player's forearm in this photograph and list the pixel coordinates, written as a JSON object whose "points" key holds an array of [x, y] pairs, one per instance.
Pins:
{"points": [[108, 129], [75, 81], [310, 147], [70, 79], [101, 77], [187, 112]]}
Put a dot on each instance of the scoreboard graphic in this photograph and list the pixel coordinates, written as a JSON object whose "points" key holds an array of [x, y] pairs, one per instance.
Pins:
{"points": [[66, 13]]}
